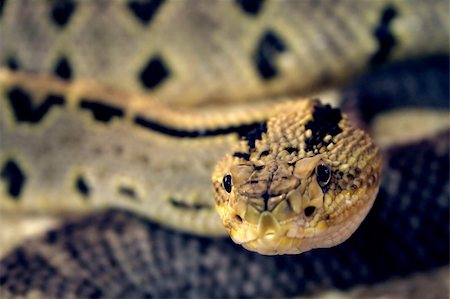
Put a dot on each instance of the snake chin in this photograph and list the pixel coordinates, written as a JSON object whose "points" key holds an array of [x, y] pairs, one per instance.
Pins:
{"points": [[306, 215], [269, 236]]}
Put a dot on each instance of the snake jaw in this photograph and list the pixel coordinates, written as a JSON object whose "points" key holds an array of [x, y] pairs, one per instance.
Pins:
{"points": [[307, 183]]}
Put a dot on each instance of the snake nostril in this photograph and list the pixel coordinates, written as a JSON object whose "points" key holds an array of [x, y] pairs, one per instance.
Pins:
{"points": [[238, 218], [309, 211]]}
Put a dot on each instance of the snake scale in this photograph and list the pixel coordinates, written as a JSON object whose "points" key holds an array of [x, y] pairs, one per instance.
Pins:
{"points": [[99, 116]]}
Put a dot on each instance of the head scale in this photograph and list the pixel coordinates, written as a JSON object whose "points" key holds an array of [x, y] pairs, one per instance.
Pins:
{"points": [[307, 180]]}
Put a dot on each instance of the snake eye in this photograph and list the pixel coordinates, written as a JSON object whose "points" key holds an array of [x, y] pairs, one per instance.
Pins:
{"points": [[323, 174], [227, 183]]}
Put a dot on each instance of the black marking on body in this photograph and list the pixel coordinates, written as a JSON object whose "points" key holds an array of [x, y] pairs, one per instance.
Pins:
{"points": [[14, 177], [325, 122], [244, 156], [250, 7], [241, 130], [12, 63], [101, 112], [179, 204], [255, 134], [385, 38], [145, 10], [2, 5], [269, 46], [82, 186], [62, 11], [62, 69], [154, 72], [128, 192], [23, 108]]}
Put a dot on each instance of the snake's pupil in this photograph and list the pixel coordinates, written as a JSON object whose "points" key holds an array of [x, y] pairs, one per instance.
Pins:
{"points": [[323, 174], [227, 183]]}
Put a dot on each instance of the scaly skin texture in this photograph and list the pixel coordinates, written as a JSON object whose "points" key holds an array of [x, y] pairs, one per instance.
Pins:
{"points": [[99, 162], [304, 180], [218, 50]]}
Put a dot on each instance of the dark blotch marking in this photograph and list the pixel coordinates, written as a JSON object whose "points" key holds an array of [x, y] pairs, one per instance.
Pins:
{"points": [[255, 134], [2, 5], [291, 150], [23, 109], [62, 69], [144, 10], [62, 11], [154, 72], [184, 205], [250, 7], [94, 292], [12, 63], [386, 40], [244, 156], [82, 186], [14, 176], [325, 122], [52, 237], [242, 130], [128, 192], [269, 46], [101, 112], [309, 211], [258, 167]]}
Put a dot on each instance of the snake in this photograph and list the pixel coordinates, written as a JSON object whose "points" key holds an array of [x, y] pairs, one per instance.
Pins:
{"points": [[142, 135]]}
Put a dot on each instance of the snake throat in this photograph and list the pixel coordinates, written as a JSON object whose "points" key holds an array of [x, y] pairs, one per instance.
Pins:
{"points": [[306, 181]]}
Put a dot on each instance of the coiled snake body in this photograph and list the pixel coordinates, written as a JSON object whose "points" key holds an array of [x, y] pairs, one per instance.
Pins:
{"points": [[75, 145]]}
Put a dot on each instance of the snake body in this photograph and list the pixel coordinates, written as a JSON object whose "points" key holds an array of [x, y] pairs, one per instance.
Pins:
{"points": [[115, 254], [60, 155]]}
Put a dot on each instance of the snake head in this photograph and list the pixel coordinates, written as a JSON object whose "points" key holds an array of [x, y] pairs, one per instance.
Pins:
{"points": [[305, 179]]}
